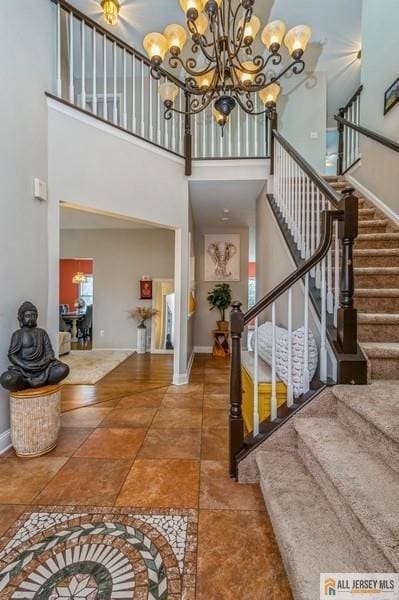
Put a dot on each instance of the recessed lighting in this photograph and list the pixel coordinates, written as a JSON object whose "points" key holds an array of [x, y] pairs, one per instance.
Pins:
{"points": [[226, 211], [225, 219]]}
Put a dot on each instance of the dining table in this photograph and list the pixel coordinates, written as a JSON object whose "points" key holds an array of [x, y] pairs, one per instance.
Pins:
{"points": [[73, 318]]}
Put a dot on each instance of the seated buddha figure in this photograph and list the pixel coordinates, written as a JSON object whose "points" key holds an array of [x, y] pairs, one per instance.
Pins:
{"points": [[33, 363]]}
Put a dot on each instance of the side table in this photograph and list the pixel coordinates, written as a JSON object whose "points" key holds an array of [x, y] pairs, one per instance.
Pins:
{"points": [[221, 347]]}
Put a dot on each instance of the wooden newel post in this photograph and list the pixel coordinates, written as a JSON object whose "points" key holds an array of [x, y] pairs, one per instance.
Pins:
{"points": [[273, 127], [188, 140], [340, 158], [347, 314], [236, 420]]}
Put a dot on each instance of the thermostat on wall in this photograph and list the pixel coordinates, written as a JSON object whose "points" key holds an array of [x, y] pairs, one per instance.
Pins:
{"points": [[39, 189]]}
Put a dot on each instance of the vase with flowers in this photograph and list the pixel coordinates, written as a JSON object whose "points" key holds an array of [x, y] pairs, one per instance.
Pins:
{"points": [[142, 314]]}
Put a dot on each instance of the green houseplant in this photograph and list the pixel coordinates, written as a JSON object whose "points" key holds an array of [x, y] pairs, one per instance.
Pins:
{"points": [[220, 298]]}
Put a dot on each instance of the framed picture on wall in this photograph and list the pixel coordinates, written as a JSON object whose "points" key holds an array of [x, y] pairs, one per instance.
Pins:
{"points": [[391, 96], [222, 257], [145, 289]]}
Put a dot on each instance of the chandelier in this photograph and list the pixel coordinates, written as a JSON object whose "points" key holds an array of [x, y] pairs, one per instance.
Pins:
{"points": [[223, 68]]}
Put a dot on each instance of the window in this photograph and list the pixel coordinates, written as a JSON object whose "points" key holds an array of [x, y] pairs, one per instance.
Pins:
{"points": [[86, 290], [251, 291]]}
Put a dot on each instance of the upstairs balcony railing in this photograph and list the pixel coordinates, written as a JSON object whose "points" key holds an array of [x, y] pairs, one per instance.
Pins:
{"points": [[102, 75]]}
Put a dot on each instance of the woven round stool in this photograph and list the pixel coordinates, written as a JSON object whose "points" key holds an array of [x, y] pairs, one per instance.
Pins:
{"points": [[35, 420]]}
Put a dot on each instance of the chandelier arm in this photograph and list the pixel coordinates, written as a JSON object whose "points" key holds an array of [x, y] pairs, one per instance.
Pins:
{"points": [[275, 58], [188, 66], [297, 67], [217, 57], [203, 106], [238, 43], [204, 47], [257, 59]]}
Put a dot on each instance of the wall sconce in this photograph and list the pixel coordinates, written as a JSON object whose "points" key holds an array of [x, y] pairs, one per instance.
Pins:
{"points": [[359, 55], [111, 10]]}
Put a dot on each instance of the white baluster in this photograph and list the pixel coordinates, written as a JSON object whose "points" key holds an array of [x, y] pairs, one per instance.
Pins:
{"points": [[166, 128], [313, 217], [204, 136], [71, 61], [303, 217], [336, 274], [134, 119], [150, 109], [59, 78], [330, 295], [318, 217], [125, 91], [212, 125], [273, 399], [307, 213], [256, 382], [115, 113], [239, 132], [196, 137], [105, 91], [296, 194], [247, 134], [159, 117], [83, 42], [323, 324], [142, 122], [306, 378], [94, 50], [290, 389]]}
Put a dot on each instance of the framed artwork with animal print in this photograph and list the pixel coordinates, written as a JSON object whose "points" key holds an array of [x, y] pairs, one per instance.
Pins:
{"points": [[222, 257]]}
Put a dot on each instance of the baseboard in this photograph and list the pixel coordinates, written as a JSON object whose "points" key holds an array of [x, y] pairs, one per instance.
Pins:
{"points": [[184, 378], [203, 349], [5, 441], [386, 210], [110, 349]]}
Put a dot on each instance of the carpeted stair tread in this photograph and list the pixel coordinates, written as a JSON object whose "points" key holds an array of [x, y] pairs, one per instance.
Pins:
{"points": [[304, 523], [367, 487], [373, 223], [376, 252], [378, 318], [376, 270], [381, 350], [377, 403], [377, 292], [378, 236]]}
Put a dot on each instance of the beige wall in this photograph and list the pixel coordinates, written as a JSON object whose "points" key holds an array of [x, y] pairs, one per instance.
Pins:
{"points": [[379, 171], [205, 320], [121, 257]]}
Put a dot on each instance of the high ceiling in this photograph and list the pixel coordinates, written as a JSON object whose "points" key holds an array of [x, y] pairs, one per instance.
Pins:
{"points": [[336, 29]]}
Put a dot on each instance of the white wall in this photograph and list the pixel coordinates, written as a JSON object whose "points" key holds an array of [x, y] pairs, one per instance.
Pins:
{"points": [[205, 320], [379, 171], [26, 70], [120, 257]]}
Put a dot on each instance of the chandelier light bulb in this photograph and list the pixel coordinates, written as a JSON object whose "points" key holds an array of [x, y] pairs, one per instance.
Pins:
{"points": [[176, 37], [168, 92], [219, 117], [111, 11], [156, 46], [191, 8], [204, 81], [248, 78], [270, 94], [251, 29], [297, 40], [273, 34]]}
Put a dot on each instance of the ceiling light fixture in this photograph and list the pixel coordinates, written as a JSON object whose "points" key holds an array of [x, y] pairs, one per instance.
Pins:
{"points": [[111, 10], [222, 69]]}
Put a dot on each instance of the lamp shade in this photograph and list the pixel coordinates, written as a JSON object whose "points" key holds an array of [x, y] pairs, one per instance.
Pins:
{"points": [[247, 78], [188, 5], [176, 37], [273, 34], [156, 46], [270, 94], [220, 118], [111, 10], [204, 81], [168, 92], [201, 23], [251, 28], [297, 40]]}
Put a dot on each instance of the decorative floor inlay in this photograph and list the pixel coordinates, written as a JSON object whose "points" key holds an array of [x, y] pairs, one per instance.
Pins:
{"points": [[100, 553]]}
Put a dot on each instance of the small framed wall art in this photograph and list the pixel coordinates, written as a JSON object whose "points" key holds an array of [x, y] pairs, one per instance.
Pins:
{"points": [[145, 288], [391, 96]]}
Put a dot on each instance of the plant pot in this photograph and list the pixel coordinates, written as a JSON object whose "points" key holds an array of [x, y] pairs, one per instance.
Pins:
{"points": [[141, 339], [223, 325]]}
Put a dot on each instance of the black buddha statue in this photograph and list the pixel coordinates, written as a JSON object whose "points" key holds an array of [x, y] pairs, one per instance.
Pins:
{"points": [[33, 363]]}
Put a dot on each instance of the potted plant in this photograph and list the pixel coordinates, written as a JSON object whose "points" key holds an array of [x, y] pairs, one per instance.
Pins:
{"points": [[142, 314], [220, 298]]}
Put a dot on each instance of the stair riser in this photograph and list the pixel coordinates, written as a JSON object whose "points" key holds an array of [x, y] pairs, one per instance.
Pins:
{"points": [[379, 444], [369, 244], [366, 227], [371, 304], [378, 332], [361, 539], [377, 281], [376, 261], [384, 368]]}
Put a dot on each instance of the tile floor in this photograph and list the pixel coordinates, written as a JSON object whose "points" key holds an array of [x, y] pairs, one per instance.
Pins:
{"points": [[162, 448]]}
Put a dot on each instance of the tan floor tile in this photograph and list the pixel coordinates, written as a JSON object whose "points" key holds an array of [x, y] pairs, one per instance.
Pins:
{"points": [[161, 483], [238, 558], [215, 418], [9, 513], [190, 388], [129, 417], [84, 417], [182, 401], [112, 443], [219, 491], [214, 445], [218, 401], [147, 400], [86, 481], [177, 418], [216, 388], [21, 479], [175, 443]]}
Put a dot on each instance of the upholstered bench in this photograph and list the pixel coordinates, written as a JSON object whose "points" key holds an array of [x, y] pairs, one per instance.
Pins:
{"points": [[64, 342]]}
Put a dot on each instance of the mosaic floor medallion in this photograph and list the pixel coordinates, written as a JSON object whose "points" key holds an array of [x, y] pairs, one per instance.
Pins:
{"points": [[100, 553]]}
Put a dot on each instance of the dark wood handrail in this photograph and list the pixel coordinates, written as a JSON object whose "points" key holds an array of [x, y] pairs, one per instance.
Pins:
{"points": [[387, 142], [328, 218], [352, 100], [91, 23], [319, 182]]}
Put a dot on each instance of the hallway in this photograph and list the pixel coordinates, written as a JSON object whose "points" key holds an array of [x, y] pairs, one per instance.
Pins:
{"points": [[127, 443]]}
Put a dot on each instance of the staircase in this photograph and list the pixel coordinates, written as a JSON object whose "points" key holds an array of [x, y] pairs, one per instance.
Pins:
{"points": [[376, 262], [331, 486]]}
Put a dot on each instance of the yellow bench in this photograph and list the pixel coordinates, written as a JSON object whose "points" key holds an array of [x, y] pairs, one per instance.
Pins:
{"points": [[264, 389]]}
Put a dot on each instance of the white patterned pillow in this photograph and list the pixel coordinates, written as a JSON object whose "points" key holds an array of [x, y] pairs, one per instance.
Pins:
{"points": [[265, 337]]}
